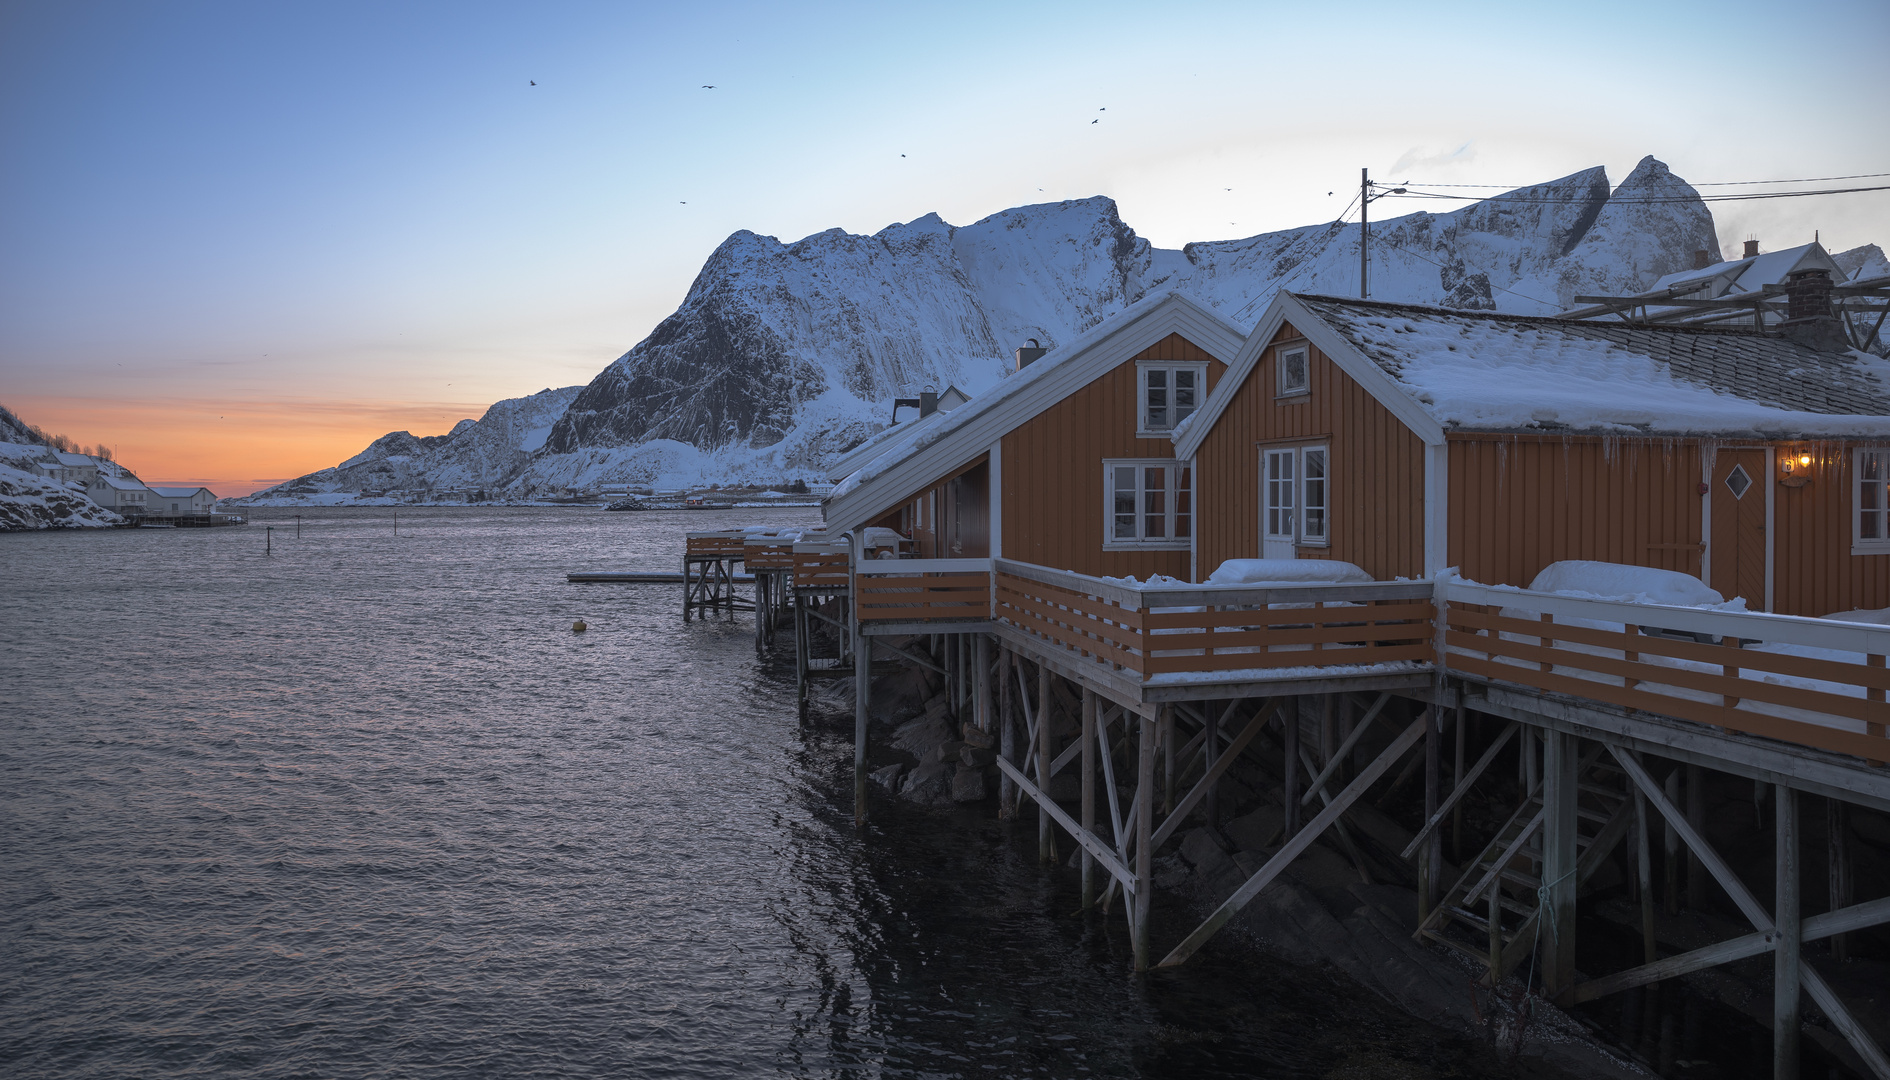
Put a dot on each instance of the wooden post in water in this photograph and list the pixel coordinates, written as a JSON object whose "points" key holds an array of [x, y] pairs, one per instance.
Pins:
{"points": [[1046, 838], [1555, 926], [982, 681], [1168, 760], [1644, 863], [1430, 864], [1696, 817], [1785, 954], [1211, 806], [1144, 832], [1007, 731], [1670, 848], [1088, 735], [1456, 778]]}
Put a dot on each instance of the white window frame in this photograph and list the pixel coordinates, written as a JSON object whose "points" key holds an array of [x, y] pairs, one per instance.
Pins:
{"points": [[1298, 490], [1171, 512], [1879, 544], [1145, 430], [1304, 349]]}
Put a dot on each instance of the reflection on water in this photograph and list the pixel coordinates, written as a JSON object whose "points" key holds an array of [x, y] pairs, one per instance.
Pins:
{"points": [[366, 806]]}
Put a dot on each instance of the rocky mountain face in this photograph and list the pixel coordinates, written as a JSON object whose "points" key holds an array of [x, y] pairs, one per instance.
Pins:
{"points": [[782, 355]]}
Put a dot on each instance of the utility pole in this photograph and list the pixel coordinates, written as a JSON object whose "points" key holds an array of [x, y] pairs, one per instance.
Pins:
{"points": [[1364, 230]]}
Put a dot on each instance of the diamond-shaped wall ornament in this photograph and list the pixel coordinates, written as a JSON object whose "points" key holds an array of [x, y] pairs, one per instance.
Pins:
{"points": [[1738, 480]]}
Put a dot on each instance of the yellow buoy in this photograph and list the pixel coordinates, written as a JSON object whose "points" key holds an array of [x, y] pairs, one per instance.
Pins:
{"points": [[578, 627]]}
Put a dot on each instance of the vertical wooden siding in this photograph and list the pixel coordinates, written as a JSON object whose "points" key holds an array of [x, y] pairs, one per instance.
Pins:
{"points": [[1376, 465], [1814, 572], [1053, 473], [1521, 502]]}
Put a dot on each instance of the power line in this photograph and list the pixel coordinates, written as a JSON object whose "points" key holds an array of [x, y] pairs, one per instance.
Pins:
{"points": [[1649, 200], [1706, 183]]}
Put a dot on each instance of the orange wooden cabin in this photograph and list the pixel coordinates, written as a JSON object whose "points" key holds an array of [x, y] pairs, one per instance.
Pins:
{"points": [[1408, 439]]}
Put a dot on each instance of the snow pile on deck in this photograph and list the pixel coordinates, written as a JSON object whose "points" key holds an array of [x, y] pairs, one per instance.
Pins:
{"points": [[1633, 584], [1286, 572]]}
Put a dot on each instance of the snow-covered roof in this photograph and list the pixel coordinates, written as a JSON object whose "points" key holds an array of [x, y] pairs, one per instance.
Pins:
{"points": [[182, 492], [74, 460], [920, 455], [842, 466], [1748, 275], [1440, 370], [118, 483]]}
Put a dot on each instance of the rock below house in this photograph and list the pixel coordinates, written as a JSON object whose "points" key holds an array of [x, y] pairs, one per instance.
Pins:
{"points": [[968, 785]]}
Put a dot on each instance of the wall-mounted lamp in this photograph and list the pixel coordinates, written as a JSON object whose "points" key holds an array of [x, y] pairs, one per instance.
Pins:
{"points": [[1796, 470]]}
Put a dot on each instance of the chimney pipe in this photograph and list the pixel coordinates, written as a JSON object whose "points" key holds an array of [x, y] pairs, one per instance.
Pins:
{"points": [[1752, 249], [928, 402], [1702, 260], [1028, 353]]}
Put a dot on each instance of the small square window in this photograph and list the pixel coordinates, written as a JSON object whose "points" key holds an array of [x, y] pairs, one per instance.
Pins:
{"points": [[1294, 375], [1149, 502], [1170, 393]]}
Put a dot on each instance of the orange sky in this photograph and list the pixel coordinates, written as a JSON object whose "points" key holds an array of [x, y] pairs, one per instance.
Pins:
{"points": [[234, 447]]}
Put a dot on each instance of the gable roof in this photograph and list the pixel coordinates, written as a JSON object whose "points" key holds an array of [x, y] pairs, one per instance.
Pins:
{"points": [[118, 483], [923, 454], [182, 492], [1443, 370], [1748, 275]]}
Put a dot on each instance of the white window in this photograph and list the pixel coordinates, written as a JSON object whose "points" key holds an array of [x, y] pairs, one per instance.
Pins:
{"points": [[1870, 530], [1297, 493], [1170, 393], [1294, 365], [1149, 503]]}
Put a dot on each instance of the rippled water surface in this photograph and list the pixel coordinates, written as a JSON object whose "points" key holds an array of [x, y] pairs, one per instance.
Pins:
{"points": [[367, 806]]}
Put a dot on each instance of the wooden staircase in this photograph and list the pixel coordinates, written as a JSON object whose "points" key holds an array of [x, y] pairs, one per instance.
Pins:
{"points": [[1490, 914]]}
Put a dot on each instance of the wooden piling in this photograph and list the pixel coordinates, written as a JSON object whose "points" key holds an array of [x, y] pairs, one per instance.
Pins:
{"points": [[1837, 832], [1046, 840], [1643, 862], [1670, 848], [1289, 767], [1144, 831], [862, 696], [981, 681], [1786, 973], [1007, 731], [1555, 925], [1431, 866], [1088, 735], [1696, 817], [1211, 805]]}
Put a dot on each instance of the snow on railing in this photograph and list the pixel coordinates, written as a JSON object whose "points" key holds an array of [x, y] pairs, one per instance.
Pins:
{"points": [[1814, 682]]}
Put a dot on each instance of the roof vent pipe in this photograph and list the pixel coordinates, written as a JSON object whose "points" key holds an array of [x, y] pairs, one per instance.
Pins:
{"points": [[928, 402], [1702, 260], [1029, 353], [1752, 249], [1809, 318]]}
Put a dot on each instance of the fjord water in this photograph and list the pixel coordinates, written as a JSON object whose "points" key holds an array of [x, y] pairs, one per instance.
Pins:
{"points": [[366, 806]]}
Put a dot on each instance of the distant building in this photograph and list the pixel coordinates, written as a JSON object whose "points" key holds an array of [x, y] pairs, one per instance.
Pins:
{"points": [[116, 493], [180, 501], [79, 468]]}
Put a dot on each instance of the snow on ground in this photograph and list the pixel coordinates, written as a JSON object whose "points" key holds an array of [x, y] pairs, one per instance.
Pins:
{"points": [[28, 500]]}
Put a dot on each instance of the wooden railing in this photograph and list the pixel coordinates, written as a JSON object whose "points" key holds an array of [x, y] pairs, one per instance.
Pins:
{"points": [[1179, 630], [824, 566], [763, 553], [1813, 682], [714, 545], [922, 590]]}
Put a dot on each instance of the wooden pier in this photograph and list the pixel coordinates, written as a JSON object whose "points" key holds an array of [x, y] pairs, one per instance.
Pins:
{"points": [[1151, 694]]}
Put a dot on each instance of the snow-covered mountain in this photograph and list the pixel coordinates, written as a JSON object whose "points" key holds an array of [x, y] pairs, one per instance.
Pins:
{"points": [[782, 355], [474, 461]]}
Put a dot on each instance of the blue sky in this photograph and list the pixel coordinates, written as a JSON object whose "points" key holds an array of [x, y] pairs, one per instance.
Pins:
{"points": [[348, 218]]}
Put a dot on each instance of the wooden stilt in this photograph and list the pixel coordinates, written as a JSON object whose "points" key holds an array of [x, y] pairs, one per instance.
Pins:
{"points": [[981, 664], [1785, 955], [1046, 842], [1211, 805], [1144, 848], [1556, 927], [862, 696], [1088, 735], [1643, 863], [1289, 766], [1007, 732], [1456, 779], [1167, 720], [1431, 865], [1837, 832], [1670, 848], [1696, 817]]}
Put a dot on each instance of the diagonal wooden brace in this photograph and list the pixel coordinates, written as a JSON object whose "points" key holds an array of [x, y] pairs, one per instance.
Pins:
{"points": [[1221, 765], [1299, 843], [1090, 841]]}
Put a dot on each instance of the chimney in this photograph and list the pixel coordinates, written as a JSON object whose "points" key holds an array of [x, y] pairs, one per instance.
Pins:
{"points": [[1029, 353], [1809, 319], [1752, 249], [928, 402], [1702, 260]]}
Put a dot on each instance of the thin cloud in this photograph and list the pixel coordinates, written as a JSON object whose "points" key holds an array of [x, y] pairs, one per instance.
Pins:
{"points": [[1421, 158]]}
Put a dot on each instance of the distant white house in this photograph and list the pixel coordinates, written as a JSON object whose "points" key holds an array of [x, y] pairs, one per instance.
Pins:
{"points": [[120, 494], [180, 501], [63, 465]]}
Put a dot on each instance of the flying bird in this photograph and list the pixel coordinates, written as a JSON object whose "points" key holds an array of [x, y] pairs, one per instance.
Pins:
{"points": [[1095, 121], [902, 155], [534, 82], [1103, 109], [706, 86]]}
